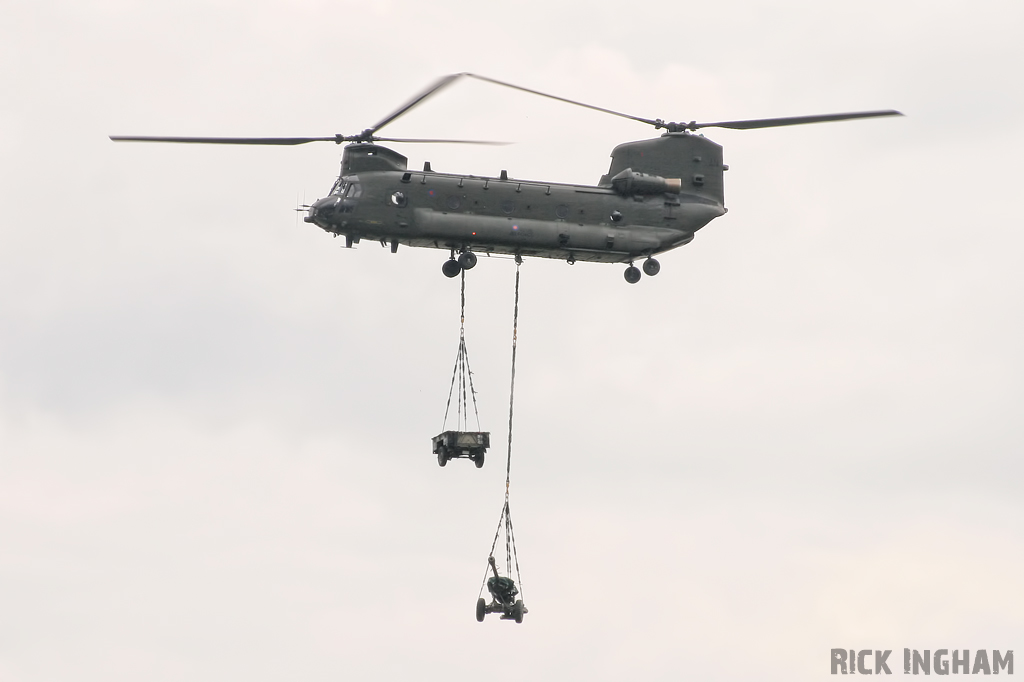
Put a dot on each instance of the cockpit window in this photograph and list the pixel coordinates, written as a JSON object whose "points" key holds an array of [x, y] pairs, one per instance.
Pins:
{"points": [[354, 191], [339, 187]]}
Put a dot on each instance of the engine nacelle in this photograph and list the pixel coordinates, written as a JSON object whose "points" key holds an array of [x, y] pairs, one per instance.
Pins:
{"points": [[630, 182]]}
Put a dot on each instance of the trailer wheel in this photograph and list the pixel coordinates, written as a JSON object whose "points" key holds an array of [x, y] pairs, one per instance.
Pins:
{"points": [[442, 457], [517, 610], [479, 461], [481, 607]]}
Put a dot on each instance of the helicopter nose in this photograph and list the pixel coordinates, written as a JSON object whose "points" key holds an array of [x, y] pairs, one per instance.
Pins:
{"points": [[322, 209]]}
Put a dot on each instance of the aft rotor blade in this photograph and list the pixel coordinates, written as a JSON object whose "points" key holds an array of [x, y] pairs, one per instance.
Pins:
{"points": [[227, 140], [793, 120], [563, 99], [415, 101], [417, 140]]}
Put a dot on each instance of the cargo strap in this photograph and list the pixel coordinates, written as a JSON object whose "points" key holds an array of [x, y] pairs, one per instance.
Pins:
{"points": [[463, 376], [505, 521], [512, 388]]}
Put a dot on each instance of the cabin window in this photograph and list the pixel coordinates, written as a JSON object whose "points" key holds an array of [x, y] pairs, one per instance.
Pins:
{"points": [[454, 202], [508, 206], [562, 211]]}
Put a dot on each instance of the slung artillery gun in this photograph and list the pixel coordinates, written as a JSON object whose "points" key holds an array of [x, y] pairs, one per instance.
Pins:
{"points": [[503, 598]]}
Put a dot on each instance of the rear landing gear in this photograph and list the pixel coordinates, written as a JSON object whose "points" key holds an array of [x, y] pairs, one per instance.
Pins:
{"points": [[632, 274], [651, 267]]}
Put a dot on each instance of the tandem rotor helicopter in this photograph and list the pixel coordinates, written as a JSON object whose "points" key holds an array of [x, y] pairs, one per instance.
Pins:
{"points": [[655, 196]]}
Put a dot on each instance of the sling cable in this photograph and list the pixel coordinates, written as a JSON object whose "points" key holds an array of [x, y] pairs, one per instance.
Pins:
{"points": [[502, 588]]}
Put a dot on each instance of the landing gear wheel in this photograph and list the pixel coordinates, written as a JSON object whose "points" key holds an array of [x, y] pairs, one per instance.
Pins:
{"points": [[442, 458], [479, 461], [651, 267], [467, 260], [481, 605], [451, 268], [632, 274], [517, 611]]}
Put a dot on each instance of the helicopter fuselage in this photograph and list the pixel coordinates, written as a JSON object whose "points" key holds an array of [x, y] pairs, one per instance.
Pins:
{"points": [[654, 197], [626, 218]]}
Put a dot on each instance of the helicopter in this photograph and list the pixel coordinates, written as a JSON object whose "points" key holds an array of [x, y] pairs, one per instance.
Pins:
{"points": [[656, 194]]}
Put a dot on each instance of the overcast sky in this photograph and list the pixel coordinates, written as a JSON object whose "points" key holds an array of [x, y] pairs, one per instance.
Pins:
{"points": [[215, 423]]}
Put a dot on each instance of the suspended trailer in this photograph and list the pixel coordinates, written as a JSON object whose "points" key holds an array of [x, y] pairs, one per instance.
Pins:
{"points": [[458, 443], [467, 444]]}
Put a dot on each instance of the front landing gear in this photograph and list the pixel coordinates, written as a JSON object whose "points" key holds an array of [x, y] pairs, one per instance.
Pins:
{"points": [[651, 268], [467, 260], [453, 266]]}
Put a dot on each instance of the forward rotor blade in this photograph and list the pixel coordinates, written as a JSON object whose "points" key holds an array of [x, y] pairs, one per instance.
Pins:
{"points": [[417, 140], [415, 101], [291, 140], [563, 99], [227, 140], [793, 120]]}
